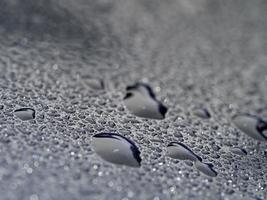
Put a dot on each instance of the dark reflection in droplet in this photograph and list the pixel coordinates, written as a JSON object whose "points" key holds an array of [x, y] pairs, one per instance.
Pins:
{"points": [[128, 95], [262, 127], [141, 101], [206, 168], [25, 113], [251, 125], [180, 151], [116, 149]]}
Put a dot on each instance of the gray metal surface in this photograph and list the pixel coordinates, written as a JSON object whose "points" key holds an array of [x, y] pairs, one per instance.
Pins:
{"points": [[71, 60]]}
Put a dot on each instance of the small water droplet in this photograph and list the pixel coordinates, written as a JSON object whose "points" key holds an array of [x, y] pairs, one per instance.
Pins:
{"points": [[206, 168], [95, 84], [239, 151], [25, 113], [141, 101], [180, 151], [116, 149], [202, 113], [251, 125]]}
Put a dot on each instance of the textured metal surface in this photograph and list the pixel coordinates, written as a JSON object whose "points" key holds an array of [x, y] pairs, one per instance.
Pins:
{"points": [[71, 61]]}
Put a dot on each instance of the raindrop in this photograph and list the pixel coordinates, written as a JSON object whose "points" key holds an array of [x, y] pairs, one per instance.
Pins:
{"points": [[180, 151], [116, 149], [141, 101], [206, 168], [251, 125], [95, 84], [239, 151], [25, 113], [202, 113]]}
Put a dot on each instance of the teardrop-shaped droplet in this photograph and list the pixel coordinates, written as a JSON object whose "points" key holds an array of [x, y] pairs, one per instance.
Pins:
{"points": [[94, 83], [116, 149], [141, 101], [239, 151], [206, 168], [202, 113], [25, 113], [180, 151], [251, 125]]}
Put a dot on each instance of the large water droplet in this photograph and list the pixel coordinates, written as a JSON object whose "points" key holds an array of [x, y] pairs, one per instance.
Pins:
{"points": [[180, 151], [25, 113], [141, 101], [205, 168], [116, 149], [253, 126]]}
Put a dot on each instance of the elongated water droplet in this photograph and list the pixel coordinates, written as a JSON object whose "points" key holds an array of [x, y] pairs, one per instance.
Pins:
{"points": [[25, 113], [95, 84], [202, 113], [182, 152], [141, 101], [116, 149], [239, 151], [206, 168], [251, 125]]}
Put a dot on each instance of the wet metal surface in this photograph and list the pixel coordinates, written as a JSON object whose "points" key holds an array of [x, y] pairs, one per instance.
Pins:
{"points": [[72, 60]]}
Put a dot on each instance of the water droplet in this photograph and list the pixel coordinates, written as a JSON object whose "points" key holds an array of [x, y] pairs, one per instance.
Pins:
{"points": [[182, 152], [142, 102], [239, 151], [253, 126], [25, 113], [202, 113], [95, 84], [116, 149], [206, 168]]}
